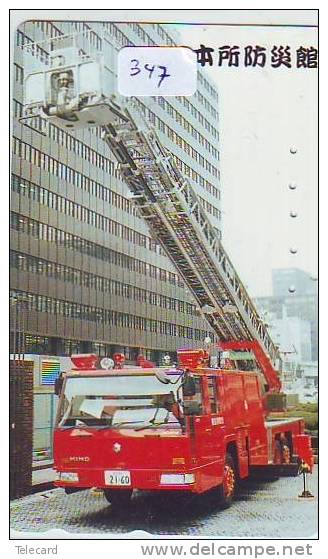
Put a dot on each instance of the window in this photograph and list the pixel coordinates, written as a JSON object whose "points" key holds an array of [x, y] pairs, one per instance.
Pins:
{"points": [[19, 74], [193, 404], [213, 394]]}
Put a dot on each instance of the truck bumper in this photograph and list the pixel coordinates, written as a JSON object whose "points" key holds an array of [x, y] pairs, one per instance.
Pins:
{"points": [[140, 479]]}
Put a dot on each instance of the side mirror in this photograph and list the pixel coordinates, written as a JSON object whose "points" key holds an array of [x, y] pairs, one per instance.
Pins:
{"points": [[189, 386]]}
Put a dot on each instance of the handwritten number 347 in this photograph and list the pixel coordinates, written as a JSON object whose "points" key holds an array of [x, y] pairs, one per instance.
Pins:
{"points": [[135, 70]]}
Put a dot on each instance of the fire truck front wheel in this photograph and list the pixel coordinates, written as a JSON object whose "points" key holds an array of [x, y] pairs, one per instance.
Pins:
{"points": [[119, 498], [228, 487]]}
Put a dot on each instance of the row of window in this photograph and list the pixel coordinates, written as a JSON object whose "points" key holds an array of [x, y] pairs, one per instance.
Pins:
{"points": [[81, 149], [172, 135], [50, 164], [210, 209], [44, 161], [212, 91], [64, 139], [45, 232], [78, 311], [32, 190], [60, 346], [81, 213], [194, 112], [192, 174], [207, 105], [40, 266]]}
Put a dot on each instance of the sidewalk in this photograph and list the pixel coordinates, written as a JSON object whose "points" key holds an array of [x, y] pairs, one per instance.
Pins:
{"points": [[42, 478]]}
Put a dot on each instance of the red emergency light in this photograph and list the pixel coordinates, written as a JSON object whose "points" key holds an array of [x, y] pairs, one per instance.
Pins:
{"points": [[119, 360], [193, 358], [84, 361]]}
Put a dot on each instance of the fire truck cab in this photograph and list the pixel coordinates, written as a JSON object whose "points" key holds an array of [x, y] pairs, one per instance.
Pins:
{"points": [[187, 428]]}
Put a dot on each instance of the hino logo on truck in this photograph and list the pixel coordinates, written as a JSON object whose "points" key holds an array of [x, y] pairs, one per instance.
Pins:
{"points": [[117, 447], [79, 459]]}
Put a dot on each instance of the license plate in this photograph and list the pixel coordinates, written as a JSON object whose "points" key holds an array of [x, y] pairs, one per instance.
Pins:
{"points": [[116, 477]]}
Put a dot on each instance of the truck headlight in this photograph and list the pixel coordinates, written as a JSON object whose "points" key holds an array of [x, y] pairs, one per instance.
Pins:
{"points": [[68, 476], [177, 479], [189, 478]]}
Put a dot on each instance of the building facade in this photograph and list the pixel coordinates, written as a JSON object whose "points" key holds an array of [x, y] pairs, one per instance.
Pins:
{"points": [[292, 280], [82, 261], [299, 305], [293, 336]]}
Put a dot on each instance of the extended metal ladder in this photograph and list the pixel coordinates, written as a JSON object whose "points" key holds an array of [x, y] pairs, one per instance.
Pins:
{"points": [[176, 219]]}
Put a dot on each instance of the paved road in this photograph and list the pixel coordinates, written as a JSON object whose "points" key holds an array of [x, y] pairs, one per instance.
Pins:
{"points": [[261, 510]]}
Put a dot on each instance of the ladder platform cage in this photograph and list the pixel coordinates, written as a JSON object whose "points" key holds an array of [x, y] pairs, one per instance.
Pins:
{"points": [[69, 81]]}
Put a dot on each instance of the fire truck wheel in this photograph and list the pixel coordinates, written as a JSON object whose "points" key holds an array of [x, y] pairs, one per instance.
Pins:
{"points": [[228, 487], [118, 498]]}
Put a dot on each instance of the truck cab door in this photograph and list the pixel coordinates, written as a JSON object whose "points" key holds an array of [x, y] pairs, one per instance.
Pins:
{"points": [[200, 426], [205, 433]]}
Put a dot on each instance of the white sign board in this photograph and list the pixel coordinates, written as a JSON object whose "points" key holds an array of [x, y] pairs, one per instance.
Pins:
{"points": [[157, 71]]}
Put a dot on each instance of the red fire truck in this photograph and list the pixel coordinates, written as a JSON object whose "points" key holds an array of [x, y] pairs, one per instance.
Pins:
{"points": [[196, 426], [187, 428]]}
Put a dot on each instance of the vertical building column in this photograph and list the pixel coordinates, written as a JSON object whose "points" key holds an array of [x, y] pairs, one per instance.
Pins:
{"points": [[21, 427]]}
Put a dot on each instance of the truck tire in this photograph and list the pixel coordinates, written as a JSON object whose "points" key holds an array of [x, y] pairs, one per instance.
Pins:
{"points": [[118, 498], [228, 487]]}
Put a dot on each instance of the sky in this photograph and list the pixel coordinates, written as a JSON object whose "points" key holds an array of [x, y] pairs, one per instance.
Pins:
{"points": [[264, 114]]}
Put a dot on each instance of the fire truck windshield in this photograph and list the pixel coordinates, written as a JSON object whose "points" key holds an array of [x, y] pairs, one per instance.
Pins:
{"points": [[120, 401]]}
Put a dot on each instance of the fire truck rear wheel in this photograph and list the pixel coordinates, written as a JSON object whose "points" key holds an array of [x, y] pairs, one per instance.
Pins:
{"points": [[228, 488], [118, 498]]}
